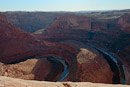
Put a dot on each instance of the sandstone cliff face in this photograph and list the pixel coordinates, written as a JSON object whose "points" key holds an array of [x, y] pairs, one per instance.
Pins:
{"points": [[13, 38], [125, 55], [31, 21], [69, 22], [125, 23]]}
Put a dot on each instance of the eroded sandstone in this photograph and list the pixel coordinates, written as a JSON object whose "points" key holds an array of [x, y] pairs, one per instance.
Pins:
{"points": [[9, 82]]}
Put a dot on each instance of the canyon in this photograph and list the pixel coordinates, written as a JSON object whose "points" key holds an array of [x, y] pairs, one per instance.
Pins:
{"points": [[72, 47]]}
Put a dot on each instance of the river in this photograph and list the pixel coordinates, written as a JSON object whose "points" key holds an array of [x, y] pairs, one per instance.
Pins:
{"points": [[119, 65], [66, 67]]}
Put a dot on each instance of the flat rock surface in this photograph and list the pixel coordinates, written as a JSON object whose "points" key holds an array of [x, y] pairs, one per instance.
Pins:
{"points": [[12, 82]]}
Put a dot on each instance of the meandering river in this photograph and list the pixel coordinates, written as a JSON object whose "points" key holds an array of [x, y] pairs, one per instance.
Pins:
{"points": [[111, 59]]}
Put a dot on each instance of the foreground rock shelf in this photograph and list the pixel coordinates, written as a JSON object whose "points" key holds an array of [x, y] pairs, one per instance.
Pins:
{"points": [[12, 82]]}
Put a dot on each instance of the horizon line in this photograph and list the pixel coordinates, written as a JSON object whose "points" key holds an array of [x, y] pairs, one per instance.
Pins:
{"points": [[63, 10]]}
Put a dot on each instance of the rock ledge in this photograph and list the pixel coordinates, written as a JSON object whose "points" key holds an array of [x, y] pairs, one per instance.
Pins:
{"points": [[13, 82]]}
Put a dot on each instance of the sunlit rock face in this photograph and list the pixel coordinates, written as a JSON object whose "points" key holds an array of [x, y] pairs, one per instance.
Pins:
{"points": [[28, 70]]}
